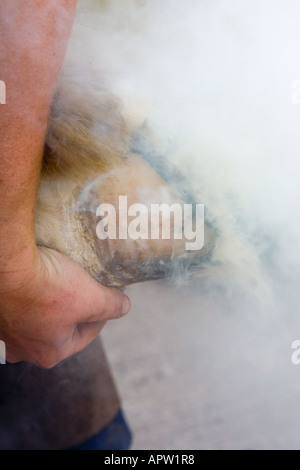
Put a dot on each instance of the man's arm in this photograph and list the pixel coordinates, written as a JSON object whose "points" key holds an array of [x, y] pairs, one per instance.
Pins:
{"points": [[49, 306], [33, 39]]}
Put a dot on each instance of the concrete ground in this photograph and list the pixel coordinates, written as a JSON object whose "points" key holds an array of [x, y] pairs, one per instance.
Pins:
{"points": [[195, 376]]}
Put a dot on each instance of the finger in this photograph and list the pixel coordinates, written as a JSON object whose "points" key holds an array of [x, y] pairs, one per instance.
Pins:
{"points": [[102, 304], [84, 334], [86, 331]]}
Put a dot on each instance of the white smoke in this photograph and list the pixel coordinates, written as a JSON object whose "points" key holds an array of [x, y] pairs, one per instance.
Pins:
{"points": [[215, 81]]}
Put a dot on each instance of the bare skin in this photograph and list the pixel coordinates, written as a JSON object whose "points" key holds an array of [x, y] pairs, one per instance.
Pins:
{"points": [[50, 308]]}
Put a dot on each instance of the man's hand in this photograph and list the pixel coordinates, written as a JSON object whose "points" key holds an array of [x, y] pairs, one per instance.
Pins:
{"points": [[53, 309]]}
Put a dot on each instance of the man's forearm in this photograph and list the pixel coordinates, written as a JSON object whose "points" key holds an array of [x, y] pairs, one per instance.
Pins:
{"points": [[33, 39]]}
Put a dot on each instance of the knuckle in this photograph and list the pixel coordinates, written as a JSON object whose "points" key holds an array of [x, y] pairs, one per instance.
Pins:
{"points": [[48, 360], [46, 363]]}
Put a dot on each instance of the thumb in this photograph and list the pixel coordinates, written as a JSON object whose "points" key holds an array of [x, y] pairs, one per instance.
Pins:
{"points": [[102, 303], [89, 301]]}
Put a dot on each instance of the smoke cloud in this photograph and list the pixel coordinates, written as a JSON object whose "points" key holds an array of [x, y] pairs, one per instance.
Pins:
{"points": [[216, 83]]}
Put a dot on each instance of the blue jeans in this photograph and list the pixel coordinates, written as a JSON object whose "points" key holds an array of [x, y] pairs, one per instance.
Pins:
{"points": [[116, 436]]}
